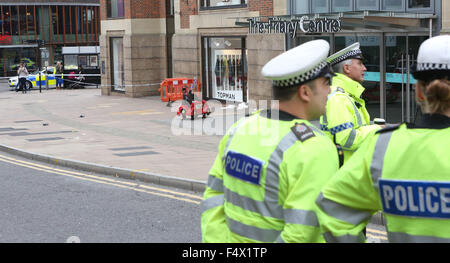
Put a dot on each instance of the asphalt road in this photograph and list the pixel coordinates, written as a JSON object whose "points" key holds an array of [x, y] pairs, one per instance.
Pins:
{"points": [[41, 203]]}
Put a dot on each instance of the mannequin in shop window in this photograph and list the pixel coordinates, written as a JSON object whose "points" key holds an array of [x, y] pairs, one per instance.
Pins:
{"points": [[231, 66], [219, 70]]}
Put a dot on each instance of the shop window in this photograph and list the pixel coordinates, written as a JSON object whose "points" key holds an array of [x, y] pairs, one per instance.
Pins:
{"points": [[419, 4], [210, 4], [320, 6], [115, 8], [225, 68], [301, 7], [367, 5], [342, 5], [393, 5], [117, 64], [14, 21]]}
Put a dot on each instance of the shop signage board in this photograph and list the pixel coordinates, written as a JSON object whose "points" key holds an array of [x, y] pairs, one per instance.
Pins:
{"points": [[276, 25], [5, 39]]}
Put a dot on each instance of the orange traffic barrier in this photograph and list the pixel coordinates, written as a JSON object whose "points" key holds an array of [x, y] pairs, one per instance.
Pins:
{"points": [[172, 89]]}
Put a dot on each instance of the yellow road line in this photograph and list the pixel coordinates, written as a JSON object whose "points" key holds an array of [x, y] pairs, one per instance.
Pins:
{"points": [[376, 237], [376, 231], [97, 179]]}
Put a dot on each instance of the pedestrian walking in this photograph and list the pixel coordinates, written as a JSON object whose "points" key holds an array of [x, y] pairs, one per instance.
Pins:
{"points": [[347, 121], [22, 72], [271, 166], [59, 75], [403, 170]]}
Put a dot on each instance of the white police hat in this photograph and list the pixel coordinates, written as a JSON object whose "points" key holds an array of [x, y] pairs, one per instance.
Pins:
{"points": [[433, 60], [350, 52], [299, 65]]}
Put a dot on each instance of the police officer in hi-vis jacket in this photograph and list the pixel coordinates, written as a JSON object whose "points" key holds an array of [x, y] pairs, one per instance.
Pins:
{"points": [[271, 166], [403, 170]]}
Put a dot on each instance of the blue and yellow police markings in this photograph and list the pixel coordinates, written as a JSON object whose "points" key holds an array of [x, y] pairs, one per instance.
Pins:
{"points": [[42, 79]]}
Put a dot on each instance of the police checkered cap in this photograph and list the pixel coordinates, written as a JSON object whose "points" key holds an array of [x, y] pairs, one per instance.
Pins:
{"points": [[350, 52], [298, 65], [433, 60]]}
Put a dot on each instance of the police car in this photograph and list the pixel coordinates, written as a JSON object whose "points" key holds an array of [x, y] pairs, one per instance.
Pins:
{"points": [[33, 79], [28, 63]]}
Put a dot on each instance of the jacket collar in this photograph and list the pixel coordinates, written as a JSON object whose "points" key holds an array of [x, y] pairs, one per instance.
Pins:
{"points": [[350, 86], [433, 121], [282, 115]]}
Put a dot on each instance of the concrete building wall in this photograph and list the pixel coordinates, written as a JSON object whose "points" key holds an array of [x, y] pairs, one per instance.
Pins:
{"points": [[445, 17], [143, 29], [261, 49]]}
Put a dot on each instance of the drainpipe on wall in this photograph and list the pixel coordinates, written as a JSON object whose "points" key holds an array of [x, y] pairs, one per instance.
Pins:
{"points": [[431, 27]]}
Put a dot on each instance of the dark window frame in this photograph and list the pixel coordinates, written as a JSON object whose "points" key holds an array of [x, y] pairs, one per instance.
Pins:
{"points": [[205, 5], [109, 9], [207, 83]]}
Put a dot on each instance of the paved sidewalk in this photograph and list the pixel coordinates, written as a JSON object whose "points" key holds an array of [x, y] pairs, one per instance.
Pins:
{"points": [[137, 134]]}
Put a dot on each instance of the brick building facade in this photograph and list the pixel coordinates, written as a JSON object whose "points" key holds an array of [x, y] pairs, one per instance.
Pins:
{"points": [[210, 40], [163, 38], [134, 46]]}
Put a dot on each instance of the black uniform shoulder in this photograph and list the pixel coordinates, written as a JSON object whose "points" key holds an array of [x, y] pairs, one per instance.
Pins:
{"points": [[389, 128]]}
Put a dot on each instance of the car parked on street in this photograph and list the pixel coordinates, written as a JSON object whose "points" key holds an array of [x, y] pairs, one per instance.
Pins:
{"points": [[33, 79]]}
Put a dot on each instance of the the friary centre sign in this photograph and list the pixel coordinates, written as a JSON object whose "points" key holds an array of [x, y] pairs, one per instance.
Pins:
{"points": [[291, 25]]}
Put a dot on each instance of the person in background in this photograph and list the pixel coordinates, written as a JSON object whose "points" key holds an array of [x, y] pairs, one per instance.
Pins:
{"points": [[271, 166], [59, 75], [404, 170], [347, 121], [22, 72]]}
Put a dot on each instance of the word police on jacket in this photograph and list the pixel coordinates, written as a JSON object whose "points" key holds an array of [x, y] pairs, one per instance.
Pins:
{"points": [[415, 198]]}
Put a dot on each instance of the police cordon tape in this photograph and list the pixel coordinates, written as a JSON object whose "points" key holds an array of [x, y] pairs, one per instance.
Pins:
{"points": [[64, 77]]}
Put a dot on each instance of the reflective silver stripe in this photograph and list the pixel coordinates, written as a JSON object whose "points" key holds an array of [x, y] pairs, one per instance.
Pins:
{"points": [[344, 239], [350, 139], [396, 237], [325, 120], [344, 213], [358, 116], [316, 129], [252, 232], [260, 207], [280, 240], [273, 169], [270, 207], [300, 217], [212, 202], [215, 183], [376, 167], [231, 135]]}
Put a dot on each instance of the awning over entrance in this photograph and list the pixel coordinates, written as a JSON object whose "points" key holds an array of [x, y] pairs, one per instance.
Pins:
{"points": [[368, 21], [19, 46]]}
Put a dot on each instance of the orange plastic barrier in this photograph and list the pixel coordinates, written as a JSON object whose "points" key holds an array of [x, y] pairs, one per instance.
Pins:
{"points": [[172, 89]]}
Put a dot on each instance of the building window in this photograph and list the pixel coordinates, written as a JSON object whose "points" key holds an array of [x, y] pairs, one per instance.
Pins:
{"points": [[367, 4], [117, 65], [342, 5], [209, 4], [419, 4], [300, 7], [320, 6], [115, 8], [393, 5], [225, 68]]}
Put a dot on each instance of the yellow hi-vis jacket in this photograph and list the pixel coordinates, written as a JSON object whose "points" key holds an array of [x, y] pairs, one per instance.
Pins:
{"points": [[265, 179], [347, 121], [404, 171]]}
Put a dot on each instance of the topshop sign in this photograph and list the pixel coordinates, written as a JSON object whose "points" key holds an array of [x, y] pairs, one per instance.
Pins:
{"points": [[290, 26]]}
